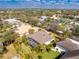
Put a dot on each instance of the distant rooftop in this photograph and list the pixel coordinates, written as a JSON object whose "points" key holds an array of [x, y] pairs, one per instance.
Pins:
{"points": [[12, 21]]}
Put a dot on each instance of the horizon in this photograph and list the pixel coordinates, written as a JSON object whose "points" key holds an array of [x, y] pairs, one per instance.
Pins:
{"points": [[45, 4]]}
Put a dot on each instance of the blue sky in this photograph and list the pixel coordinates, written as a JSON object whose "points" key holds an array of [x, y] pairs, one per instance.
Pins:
{"points": [[58, 4]]}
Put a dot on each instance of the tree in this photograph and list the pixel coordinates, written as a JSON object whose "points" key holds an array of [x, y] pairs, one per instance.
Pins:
{"points": [[39, 57], [76, 31], [31, 31], [25, 39], [48, 48], [66, 34]]}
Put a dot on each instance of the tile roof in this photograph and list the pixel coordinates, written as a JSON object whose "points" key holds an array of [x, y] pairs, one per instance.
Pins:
{"points": [[68, 44], [71, 55], [75, 38], [41, 37]]}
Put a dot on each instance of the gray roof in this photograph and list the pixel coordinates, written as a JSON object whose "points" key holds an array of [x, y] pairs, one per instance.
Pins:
{"points": [[52, 26], [68, 44], [75, 38], [71, 55], [41, 37]]}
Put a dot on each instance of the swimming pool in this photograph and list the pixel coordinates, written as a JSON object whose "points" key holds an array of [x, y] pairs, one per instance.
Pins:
{"points": [[50, 4]]}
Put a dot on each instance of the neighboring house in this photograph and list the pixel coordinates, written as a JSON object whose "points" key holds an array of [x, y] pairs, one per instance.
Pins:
{"points": [[13, 21], [40, 37], [70, 47], [71, 55], [52, 27], [60, 26], [55, 17], [43, 18], [75, 40], [55, 28]]}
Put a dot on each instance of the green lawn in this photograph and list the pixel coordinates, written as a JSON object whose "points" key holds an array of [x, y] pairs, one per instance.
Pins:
{"points": [[50, 55], [45, 55]]}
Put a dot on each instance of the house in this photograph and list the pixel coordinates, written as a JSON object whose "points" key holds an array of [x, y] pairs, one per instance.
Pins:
{"points": [[55, 17], [43, 18], [69, 47], [54, 27], [40, 37], [75, 40], [60, 26], [13, 21], [71, 55]]}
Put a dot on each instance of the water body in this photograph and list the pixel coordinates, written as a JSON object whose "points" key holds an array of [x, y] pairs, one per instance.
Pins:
{"points": [[49, 4]]}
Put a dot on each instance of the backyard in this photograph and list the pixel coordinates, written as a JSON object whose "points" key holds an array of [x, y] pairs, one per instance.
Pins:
{"points": [[28, 53], [50, 55]]}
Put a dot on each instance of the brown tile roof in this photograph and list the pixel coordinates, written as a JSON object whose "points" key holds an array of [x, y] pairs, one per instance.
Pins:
{"points": [[71, 55], [67, 44], [41, 37]]}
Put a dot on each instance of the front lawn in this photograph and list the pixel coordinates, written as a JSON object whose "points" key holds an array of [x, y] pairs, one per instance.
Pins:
{"points": [[50, 55]]}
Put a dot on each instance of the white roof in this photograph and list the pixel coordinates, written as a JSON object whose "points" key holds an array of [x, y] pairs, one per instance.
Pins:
{"points": [[43, 18], [60, 31], [11, 20], [15, 57]]}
